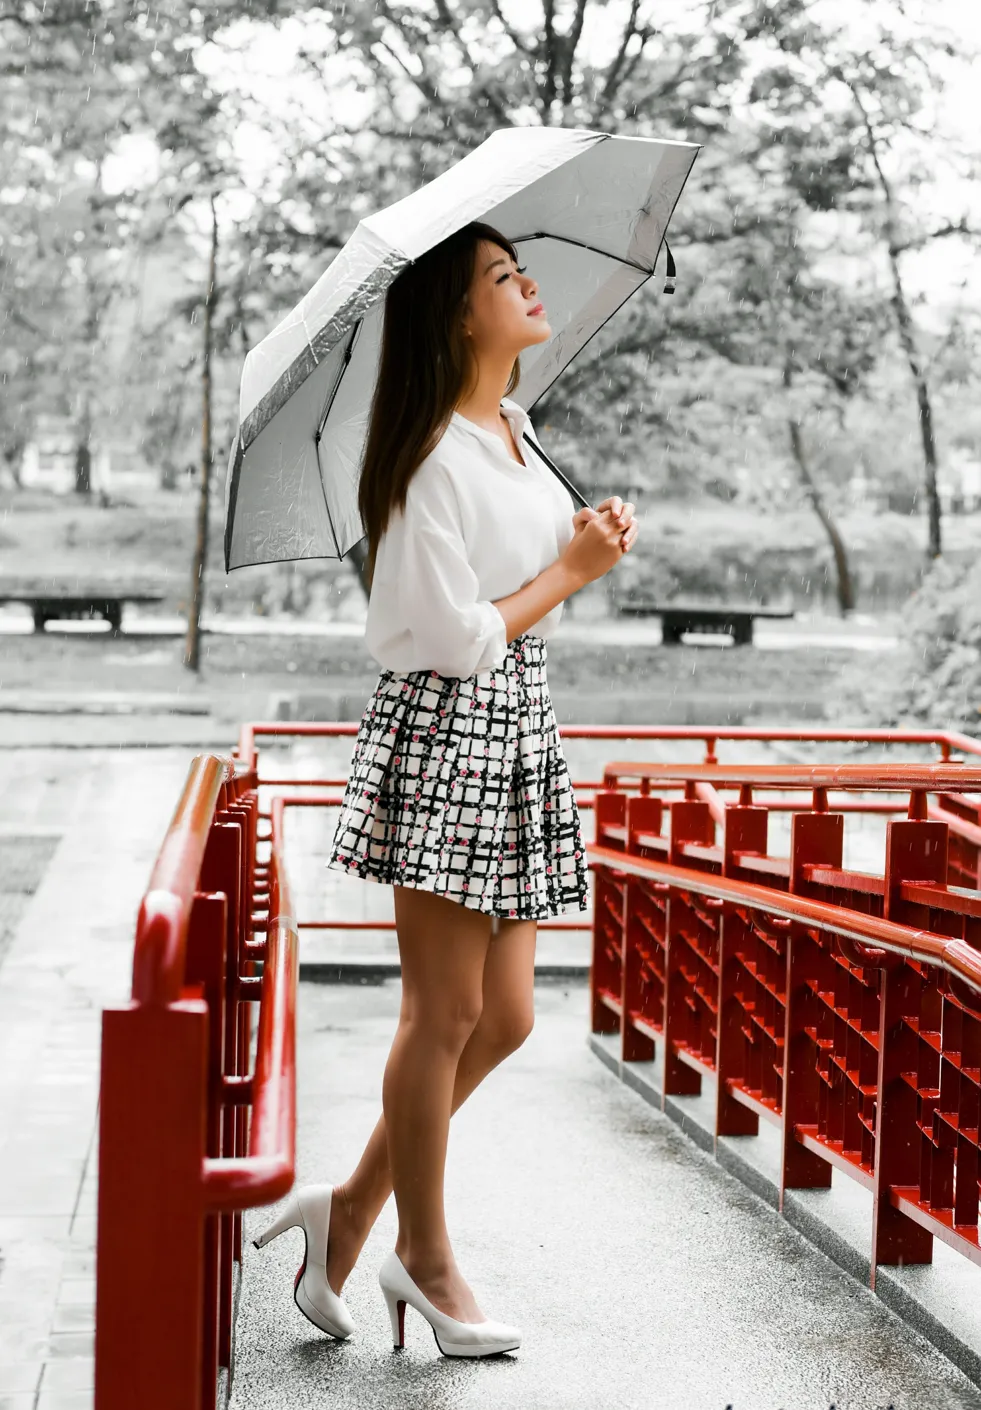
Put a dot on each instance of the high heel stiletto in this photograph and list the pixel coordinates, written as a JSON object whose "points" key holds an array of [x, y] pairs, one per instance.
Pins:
{"points": [[452, 1337], [309, 1209]]}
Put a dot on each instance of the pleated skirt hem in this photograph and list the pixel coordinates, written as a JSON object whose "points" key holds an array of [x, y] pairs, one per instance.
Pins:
{"points": [[458, 786]]}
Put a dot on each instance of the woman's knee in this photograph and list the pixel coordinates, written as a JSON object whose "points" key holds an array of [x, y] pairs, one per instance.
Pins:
{"points": [[446, 1019], [504, 1027]]}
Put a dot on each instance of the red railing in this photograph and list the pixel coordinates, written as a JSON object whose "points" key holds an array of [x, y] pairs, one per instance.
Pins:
{"points": [[842, 1005], [188, 1136], [736, 957], [248, 754]]}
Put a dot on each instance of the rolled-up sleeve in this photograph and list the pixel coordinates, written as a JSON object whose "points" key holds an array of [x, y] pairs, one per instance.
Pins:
{"points": [[425, 612]]}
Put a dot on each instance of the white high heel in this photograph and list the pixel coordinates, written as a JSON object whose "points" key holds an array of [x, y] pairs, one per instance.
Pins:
{"points": [[309, 1209], [452, 1337]]}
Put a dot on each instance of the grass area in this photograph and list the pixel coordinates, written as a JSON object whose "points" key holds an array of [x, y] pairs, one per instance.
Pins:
{"points": [[736, 553], [240, 674]]}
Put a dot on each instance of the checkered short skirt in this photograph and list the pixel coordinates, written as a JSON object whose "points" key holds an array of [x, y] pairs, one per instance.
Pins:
{"points": [[458, 785]]}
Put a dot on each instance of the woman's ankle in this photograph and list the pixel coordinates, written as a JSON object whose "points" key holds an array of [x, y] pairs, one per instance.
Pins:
{"points": [[357, 1216], [425, 1262]]}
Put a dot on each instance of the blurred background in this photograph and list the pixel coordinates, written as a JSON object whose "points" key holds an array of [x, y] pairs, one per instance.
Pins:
{"points": [[799, 424]]}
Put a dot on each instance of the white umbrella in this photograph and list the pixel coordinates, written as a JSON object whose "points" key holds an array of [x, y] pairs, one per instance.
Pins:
{"points": [[589, 210]]}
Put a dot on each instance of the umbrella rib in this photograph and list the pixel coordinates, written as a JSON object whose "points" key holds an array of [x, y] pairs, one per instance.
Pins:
{"points": [[323, 422], [339, 379], [330, 521], [568, 240]]}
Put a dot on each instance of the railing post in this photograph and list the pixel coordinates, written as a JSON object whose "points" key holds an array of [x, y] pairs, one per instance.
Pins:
{"points": [[690, 822], [816, 839], [606, 969], [744, 830], [222, 870], [915, 851], [634, 1045], [149, 1274], [206, 966], [643, 814]]}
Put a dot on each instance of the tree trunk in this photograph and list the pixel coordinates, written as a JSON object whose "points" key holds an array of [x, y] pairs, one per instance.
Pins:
{"points": [[13, 456], [907, 335], [192, 648], [844, 586], [83, 451]]}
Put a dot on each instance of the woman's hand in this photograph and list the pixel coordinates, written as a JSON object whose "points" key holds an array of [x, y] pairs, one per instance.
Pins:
{"points": [[624, 516], [601, 538]]}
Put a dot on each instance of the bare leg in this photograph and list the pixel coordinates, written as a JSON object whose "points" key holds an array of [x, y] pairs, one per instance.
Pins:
{"points": [[507, 1014]]}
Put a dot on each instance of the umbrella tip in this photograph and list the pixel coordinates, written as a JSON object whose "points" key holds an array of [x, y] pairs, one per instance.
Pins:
{"points": [[670, 271]]}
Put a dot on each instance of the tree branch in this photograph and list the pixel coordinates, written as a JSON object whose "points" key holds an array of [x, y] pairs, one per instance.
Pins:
{"points": [[450, 23], [669, 86], [958, 227], [421, 81], [511, 33], [16, 316], [613, 72], [571, 44], [548, 87]]}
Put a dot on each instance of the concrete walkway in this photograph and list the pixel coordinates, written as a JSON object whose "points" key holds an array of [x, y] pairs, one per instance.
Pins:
{"points": [[642, 1274], [99, 818]]}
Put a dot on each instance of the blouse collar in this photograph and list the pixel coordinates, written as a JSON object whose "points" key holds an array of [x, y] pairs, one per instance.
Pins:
{"points": [[516, 415]]}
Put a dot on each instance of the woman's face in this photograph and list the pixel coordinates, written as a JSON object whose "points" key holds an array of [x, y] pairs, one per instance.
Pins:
{"points": [[503, 313]]}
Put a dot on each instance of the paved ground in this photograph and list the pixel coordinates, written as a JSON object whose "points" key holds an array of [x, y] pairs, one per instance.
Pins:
{"points": [[101, 815], [641, 1273]]}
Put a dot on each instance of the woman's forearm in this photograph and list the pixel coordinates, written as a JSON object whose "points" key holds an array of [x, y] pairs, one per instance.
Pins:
{"points": [[522, 609]]}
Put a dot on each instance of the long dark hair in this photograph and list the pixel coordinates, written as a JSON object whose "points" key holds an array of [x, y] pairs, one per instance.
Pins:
{"points": [[422, 372]]}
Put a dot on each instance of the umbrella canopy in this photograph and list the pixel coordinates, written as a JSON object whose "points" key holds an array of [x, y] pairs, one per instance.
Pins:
{"points": [[588, 212]]}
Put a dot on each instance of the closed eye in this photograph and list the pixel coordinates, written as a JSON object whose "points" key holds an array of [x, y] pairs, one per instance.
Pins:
{"points": [[519, 269]]}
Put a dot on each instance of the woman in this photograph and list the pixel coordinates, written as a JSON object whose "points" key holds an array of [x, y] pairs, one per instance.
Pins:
{"points": [[459, 795]]}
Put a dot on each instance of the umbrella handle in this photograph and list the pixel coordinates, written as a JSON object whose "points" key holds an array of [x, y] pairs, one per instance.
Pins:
{"points": [[576, 494]]}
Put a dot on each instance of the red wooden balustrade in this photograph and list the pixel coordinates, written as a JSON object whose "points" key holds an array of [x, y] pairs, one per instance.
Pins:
{"points": [[824, 999], [188, 1134], [843, 1006], [945, 743]]}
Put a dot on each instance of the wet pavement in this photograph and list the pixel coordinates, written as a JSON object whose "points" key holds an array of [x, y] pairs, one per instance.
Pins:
{"points": [[642, 1274], [78, 833]]}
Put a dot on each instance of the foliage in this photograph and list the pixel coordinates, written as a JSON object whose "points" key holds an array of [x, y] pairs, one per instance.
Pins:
{"points": [[778, 236], [934, 679]]}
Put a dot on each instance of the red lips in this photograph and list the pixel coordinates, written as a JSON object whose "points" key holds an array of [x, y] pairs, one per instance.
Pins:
{"points": [[539, 308]]}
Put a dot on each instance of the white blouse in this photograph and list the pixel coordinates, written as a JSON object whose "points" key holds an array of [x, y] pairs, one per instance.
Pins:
{"points": [[477, 526]]}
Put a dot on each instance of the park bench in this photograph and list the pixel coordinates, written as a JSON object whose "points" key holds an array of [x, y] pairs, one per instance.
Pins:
{"points": [[680, 617], [49, 604]]}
